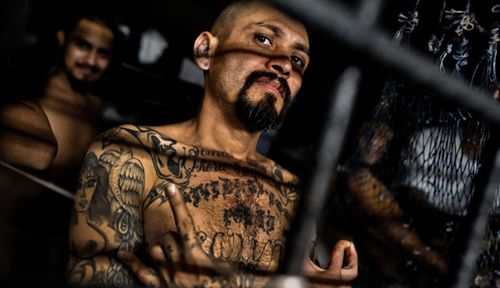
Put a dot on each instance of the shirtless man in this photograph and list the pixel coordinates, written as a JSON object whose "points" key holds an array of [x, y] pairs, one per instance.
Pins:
{"points": [[56, 129], [50, 132], [197, 197]]}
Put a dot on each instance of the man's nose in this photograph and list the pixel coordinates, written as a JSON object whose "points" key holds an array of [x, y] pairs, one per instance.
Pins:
{"points": [[281, 65], [91, 58]]}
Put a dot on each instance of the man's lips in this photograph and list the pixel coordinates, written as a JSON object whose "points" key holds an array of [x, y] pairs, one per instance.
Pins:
{"points": [[273, 85], [86, 69]]}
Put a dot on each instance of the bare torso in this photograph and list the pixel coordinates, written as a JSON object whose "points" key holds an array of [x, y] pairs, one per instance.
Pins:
{"points": [[240, 208], [74, 119]]}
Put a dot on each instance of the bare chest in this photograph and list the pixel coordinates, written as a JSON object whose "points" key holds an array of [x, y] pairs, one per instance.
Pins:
{"points": [[237, 219], [74, 125]]}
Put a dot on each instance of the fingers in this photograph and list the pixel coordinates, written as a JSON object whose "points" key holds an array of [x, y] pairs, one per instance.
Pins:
{"points": [[350, 271], [337, 258], [191, 252], [172, 248], [343, 267], [145, 274], [344, 261], [182, 217], [161, 260], [309, 268], [321, 278]]}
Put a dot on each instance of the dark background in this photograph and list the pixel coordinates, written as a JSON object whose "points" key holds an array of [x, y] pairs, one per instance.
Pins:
{"points": [[154, 94]]}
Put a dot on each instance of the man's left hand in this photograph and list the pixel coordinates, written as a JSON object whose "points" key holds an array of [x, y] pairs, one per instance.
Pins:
{"points": [[343, 267]]}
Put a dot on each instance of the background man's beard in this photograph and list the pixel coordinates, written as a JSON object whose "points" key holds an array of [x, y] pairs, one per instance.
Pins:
{"points": [[82, 86], [262, 115]]}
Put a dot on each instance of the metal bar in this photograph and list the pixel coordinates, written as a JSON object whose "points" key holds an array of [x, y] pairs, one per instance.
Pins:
{"points": [[343, 25], [369, 11], [327, 156], [40, 181], [479, 221]]}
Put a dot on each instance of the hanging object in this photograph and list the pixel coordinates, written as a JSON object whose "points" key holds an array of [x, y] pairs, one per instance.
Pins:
{"points": [[485, 72], [411, 178]]}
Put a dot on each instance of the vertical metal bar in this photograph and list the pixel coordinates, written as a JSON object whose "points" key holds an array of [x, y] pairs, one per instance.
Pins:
{"points": [[326, 159], [343, 25], [479, 222], [330, 146]]}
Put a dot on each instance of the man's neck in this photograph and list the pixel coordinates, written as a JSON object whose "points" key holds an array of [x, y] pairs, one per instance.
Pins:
{"points": [[59, 88], [218, 130], [72, 85]]}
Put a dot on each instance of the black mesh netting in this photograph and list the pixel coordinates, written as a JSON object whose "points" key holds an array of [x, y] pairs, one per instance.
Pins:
{"points": [[411, 179]]}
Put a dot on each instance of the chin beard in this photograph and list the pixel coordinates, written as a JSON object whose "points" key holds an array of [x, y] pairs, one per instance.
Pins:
{"points": [[256, 116], [262, 115], [82, 86]]}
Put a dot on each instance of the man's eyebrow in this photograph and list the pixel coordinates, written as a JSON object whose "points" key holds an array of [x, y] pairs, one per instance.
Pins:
{"points": [[303, 48], [279, 32], [275, 29], [79, 38]]}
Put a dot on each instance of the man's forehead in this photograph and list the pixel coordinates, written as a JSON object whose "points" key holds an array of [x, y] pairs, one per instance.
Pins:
{"points": [[93, 30], [90, 26], [273, 19]]}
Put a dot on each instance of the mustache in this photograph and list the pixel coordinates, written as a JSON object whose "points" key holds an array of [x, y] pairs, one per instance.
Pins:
{"points": [[92, 68], [255, 75]]}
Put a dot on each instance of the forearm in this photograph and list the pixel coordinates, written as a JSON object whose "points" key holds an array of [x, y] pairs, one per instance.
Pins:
{"points": [[375, 200], [99, 271], [372, 196]]}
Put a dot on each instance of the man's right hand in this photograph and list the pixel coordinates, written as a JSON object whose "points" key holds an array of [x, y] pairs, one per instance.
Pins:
{"points": [[180, 260]]}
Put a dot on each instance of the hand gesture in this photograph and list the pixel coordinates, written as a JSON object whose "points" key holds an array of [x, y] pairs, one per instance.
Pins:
{"points": [[342, 269], [180, 260]]}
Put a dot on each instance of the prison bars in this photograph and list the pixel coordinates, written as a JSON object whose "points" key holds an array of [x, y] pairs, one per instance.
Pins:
{"points": [[329, 149], [343, 25]]}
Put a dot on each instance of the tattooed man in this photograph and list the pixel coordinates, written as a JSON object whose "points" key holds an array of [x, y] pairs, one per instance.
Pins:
{"points": [[196, 197]]}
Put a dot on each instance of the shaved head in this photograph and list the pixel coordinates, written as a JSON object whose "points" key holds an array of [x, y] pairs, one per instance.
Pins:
{"points": [[224, 23]]}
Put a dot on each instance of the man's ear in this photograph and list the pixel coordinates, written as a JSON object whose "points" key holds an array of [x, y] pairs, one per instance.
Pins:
{"points": [[204, 47], [60, 38]]}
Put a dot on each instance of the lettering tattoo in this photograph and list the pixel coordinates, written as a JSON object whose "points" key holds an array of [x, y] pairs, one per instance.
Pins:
{"points": [[227, 245], [242, 214], [240, 208]]}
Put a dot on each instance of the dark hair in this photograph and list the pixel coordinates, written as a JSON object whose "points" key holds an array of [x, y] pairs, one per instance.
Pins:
{"points": [[107, 19], [102, 17]]}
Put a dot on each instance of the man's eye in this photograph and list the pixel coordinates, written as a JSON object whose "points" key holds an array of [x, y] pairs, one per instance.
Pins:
{"points": [[104, 53], [263, 39], [298, 61], [82, 44]]}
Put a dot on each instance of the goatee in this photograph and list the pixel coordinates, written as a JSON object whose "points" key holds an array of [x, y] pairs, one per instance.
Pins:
{"points": [[261, 115], [80, 85]]}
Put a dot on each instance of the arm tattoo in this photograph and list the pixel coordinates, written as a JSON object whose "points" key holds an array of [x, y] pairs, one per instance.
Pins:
{"points": [[107, 214]]}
